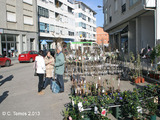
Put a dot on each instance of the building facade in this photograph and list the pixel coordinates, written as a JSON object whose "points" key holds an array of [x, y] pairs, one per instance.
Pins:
{"points": [[130, 24], [102, 37], [56, 21], [18, 26], [85, 22]]}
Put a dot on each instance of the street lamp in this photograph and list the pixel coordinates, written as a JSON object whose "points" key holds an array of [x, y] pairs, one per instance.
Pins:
{"points": [[99, 6]]}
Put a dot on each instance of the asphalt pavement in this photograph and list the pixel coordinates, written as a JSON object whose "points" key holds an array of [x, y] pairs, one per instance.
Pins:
{"points": [[19, 99]]}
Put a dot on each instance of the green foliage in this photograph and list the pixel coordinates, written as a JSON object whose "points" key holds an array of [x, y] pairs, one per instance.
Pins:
{"points": [[130, 101], [153, 55]]}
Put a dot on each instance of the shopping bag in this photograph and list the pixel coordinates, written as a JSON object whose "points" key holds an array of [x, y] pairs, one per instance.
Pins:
{"points": [[55, 87]]}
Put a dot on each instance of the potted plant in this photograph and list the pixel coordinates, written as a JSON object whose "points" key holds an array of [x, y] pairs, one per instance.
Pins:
{"points": [[152, 108], [137, 73]]}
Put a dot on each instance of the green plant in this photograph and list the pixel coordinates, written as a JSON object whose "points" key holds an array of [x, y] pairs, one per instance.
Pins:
{"points": [[130, 104], [153, 55], [138, 68], [151, 106]]}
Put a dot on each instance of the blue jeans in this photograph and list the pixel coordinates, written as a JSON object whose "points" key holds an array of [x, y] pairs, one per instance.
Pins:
{"points": [[47, 81], [60, 82]]}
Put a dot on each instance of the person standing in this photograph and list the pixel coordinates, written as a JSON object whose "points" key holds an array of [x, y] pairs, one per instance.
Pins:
{"points": [[49, 62], [40, 70], [59, 67]]}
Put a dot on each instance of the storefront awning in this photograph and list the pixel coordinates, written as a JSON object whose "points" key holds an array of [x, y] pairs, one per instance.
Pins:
{"points": [[43, 42], [119, 30]]}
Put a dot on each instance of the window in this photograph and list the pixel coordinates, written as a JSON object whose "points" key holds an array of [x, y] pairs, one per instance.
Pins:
{"points": [[123, 8], [57, 15], [94, 29], [44, 27], [71, 1], [28, 1], [57, 30], [81, 15], [70, 33], [83, 25], [58, 4], [52, 14], [123, 2], [28, 20], [83, 7], [106, 16], [94, 22], [43, 12], [70, 10], [82, 34], [115, 5], [51, 1], [89, 19], [11, 16], [132, 2], [110, 14], [52, 28]]}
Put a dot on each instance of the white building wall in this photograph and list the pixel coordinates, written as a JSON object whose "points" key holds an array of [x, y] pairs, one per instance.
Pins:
{"points": [[67, 23], [89, 14]]}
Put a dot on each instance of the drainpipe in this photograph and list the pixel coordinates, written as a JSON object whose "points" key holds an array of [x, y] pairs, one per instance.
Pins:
{"points": [[155, 17]]}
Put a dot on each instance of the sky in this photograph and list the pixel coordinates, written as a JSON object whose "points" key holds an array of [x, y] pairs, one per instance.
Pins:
{"points": [[93, 5]]}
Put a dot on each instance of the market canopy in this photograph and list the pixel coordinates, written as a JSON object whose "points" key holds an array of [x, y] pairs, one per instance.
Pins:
{"points": [[81, 42]]}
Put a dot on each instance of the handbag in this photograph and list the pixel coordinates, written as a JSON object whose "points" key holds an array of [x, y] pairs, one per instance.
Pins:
{"points": [[55, 87]]}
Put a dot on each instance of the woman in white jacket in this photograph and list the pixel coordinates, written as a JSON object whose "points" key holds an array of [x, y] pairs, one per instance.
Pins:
{"points": [[40, 69]]}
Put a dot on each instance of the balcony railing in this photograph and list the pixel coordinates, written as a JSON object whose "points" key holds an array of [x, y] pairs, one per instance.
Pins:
{"points": [[123, 8]]}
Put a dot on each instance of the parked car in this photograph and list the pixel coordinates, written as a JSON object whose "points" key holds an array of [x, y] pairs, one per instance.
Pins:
{"points": [[27, 56], [5, 61]]}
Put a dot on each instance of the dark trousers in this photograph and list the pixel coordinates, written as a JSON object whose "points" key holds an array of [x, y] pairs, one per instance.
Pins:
{"points": [[40, 84], [47, 81], [60, 82]]}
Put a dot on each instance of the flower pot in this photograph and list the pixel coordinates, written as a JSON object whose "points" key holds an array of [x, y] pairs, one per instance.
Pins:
{"points": [[153, 117], [137, 80], [157, 76], [142, 79], [151, 75]]}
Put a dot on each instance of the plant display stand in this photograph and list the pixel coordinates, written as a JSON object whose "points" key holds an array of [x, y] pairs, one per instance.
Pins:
{"points": [[116, 112], [153, 117]]}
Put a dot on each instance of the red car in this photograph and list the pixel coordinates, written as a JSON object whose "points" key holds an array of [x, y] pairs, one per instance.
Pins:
{"points": [[27, 56], [4, 61]]}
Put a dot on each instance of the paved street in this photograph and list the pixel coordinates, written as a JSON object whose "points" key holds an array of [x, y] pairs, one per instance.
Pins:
{"points": [[18, 96]]}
